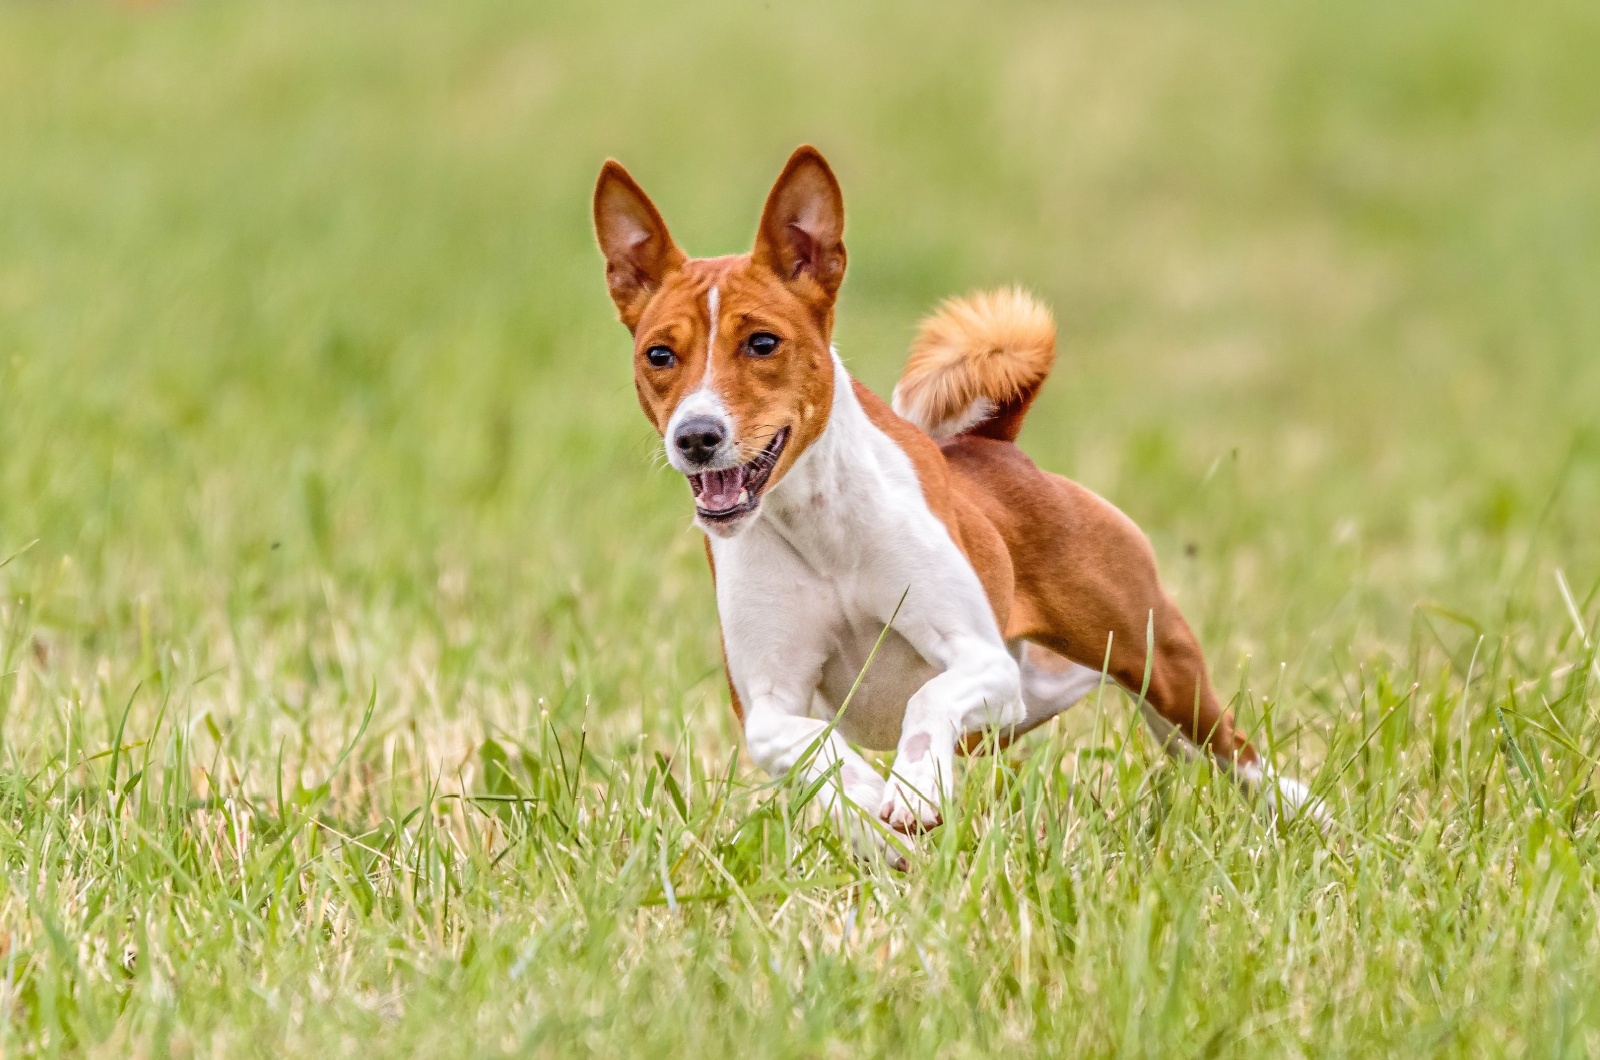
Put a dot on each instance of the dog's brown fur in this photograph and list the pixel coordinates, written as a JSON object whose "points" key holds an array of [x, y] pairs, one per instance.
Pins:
{"points": [[1062, 568]]}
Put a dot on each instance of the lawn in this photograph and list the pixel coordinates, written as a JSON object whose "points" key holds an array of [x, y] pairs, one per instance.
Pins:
{"points": [[359, 683]]}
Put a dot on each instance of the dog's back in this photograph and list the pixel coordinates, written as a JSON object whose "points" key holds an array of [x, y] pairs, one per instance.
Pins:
{"points": [[1082, 577]]}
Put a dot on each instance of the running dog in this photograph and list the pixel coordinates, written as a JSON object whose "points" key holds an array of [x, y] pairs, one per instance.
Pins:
{"points": [[997, 594]]}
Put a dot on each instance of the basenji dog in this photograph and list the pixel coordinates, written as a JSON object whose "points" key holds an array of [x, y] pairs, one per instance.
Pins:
{"points": [[995, 594]]}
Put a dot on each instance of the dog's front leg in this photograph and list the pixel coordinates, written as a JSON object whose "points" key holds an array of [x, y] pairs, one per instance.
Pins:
{"points": [[979, 690], [781, 739]]}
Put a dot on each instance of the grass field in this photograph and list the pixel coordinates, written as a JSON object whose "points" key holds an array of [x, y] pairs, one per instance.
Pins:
{"points": [[360, 681]]}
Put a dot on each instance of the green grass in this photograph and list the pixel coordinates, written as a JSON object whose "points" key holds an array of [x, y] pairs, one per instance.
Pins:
{"points": [[361, 689]]}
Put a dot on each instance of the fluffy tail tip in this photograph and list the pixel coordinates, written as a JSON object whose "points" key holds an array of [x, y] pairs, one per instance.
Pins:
{"points": [[976, 364]]}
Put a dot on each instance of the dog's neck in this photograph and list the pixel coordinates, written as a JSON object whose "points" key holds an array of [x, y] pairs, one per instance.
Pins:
{"points": [[837, 489]]}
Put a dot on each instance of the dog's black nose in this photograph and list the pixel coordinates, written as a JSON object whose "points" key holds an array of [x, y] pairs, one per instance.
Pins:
{"points": [[698, 438]]}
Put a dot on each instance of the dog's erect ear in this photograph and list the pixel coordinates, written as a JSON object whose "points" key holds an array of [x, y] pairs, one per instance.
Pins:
{"points": [[802, 227], [638, 248]]}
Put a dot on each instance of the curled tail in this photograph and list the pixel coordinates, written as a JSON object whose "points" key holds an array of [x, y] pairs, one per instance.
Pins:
{"points": [[976, 365]]}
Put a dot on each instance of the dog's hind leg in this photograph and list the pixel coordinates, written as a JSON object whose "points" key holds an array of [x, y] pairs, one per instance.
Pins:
{"points": [[1051, 684], [1089, 591]]}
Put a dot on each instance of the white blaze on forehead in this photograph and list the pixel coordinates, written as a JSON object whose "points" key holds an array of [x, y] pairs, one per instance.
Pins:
{"points": [[713, 305], [705, 390]]}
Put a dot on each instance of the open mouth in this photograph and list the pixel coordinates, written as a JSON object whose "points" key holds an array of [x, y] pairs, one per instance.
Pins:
{"points": [[730, 493]]}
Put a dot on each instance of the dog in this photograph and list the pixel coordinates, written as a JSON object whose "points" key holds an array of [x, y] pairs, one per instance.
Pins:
{"points": [[994, 594]]}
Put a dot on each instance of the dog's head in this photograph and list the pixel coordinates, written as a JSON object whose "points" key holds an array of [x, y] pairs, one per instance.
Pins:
{"points": [[731, 355]]}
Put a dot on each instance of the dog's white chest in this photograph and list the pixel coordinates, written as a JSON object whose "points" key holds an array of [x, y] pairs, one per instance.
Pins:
{"points": [[784, 618], [846, 543]]}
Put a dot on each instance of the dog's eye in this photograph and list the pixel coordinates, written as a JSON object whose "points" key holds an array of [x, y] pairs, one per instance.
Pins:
{"points": [[660, 357], [762, 344]]}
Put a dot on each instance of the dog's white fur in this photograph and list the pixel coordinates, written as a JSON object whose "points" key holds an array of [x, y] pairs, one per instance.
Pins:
{"points": [[804, 592], [841, 546]]}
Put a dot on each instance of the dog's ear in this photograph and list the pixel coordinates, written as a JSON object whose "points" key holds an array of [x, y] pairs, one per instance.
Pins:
{"points": [[638, 248], [802, 227]]}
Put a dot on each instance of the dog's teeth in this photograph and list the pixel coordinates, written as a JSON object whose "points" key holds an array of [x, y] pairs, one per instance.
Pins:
{"points": [[744, 495]]}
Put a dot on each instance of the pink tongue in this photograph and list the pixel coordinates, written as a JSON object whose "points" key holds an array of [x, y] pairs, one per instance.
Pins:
{"points": [[720, 489]]}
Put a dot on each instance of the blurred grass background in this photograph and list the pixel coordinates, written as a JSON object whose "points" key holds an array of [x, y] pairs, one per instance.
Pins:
{"points": [[309, 384]]}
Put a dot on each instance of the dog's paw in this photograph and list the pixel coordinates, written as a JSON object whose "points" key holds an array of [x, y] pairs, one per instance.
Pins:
{"points": [[918, 785], [1287, 799], [909, 806], [870, 844], [869, 840]]}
